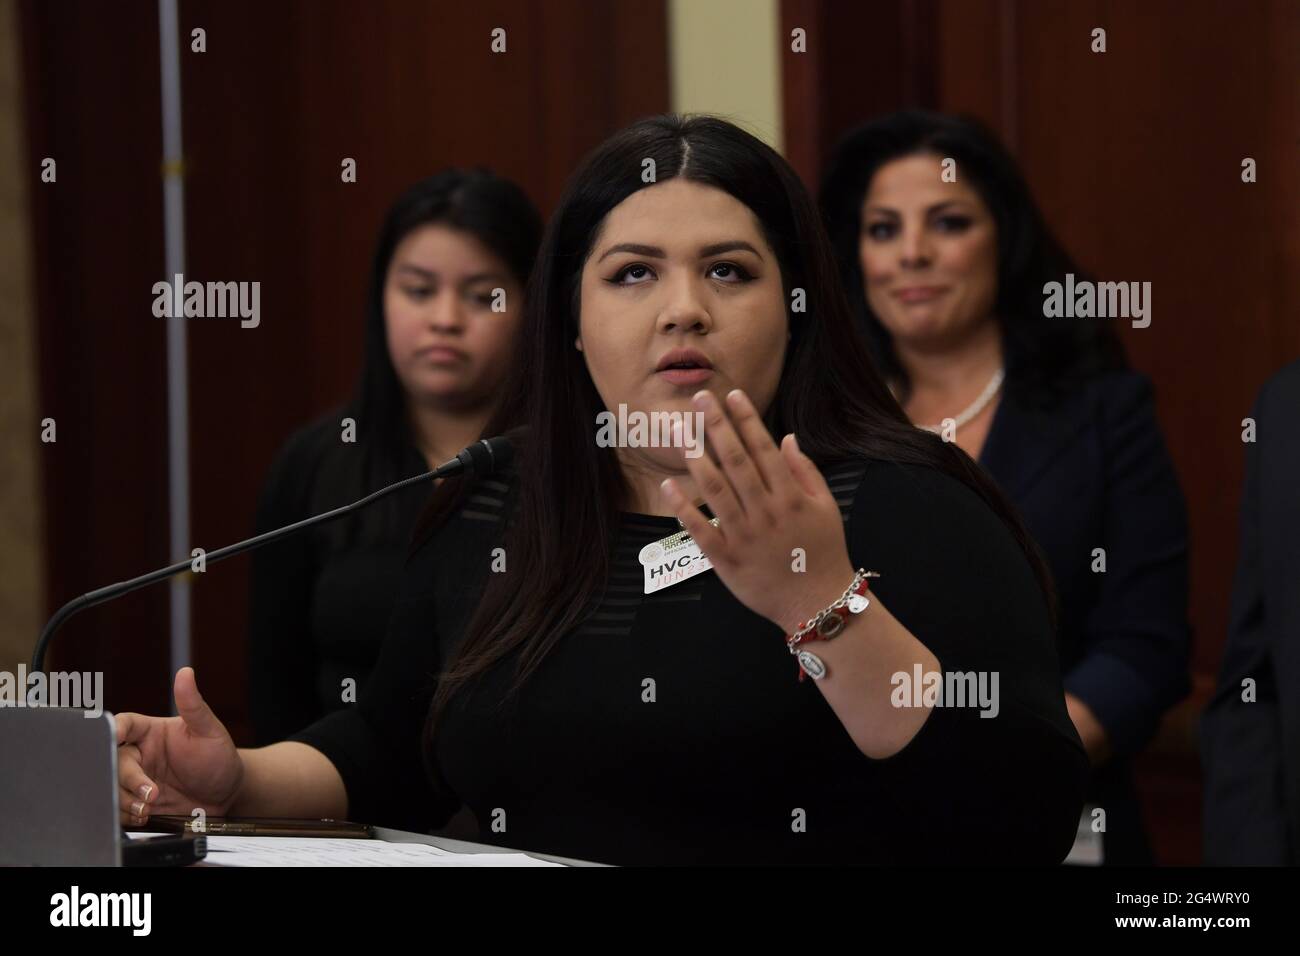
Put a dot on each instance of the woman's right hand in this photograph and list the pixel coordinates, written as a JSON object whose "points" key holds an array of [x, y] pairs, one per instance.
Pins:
{"points": [[175, 765]]}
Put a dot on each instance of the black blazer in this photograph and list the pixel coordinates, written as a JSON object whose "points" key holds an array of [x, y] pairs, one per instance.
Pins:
{"points": [[1251, 750], [1092, 472]]}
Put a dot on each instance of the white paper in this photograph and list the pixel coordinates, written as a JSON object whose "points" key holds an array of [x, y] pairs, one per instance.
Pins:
{"points": [[328, 851]]}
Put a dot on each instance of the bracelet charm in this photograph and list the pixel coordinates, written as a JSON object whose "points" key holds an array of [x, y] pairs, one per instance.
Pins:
{"points": [[828, 624]]}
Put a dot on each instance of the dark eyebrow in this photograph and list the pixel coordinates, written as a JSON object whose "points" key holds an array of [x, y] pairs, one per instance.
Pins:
{"points": [[720, 247], [937, 207], [654, 252], [483, 277], [468, 280]]}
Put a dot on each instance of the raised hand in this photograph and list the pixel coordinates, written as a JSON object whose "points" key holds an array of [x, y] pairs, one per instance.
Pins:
{"points": [[769, 502]]}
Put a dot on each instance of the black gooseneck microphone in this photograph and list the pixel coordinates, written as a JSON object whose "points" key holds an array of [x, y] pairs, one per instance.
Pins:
{"points": [[478, 460]]}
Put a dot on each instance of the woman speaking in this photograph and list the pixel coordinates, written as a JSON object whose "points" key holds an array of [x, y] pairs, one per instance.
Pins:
{"points": [[859, 667]]}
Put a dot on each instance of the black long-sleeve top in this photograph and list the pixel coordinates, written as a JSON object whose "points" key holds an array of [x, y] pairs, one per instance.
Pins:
{"points": [[320, 600], [732, 759]]}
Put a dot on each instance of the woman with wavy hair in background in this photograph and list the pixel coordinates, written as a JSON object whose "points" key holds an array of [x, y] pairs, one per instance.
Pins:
{"points": [[947, 275]]}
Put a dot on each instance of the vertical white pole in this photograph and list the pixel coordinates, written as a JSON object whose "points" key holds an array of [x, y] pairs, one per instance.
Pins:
{"points": [[178, 443]]}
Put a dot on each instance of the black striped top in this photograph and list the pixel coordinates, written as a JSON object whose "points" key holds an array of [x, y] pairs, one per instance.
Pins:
{"points": [[624, 593], [670, 727]]}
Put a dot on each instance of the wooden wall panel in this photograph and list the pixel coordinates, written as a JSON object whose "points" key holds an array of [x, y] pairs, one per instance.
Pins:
{"points": [[1135, 156], [91, 89], [282, 94], [863, 57]]}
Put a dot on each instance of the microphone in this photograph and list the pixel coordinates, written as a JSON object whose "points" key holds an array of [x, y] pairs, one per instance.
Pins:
{"points": [[478, 460]]}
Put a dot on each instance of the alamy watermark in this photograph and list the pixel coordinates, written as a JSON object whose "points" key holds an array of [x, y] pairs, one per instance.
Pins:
{"points": [[1086, 300], [209, 300], [133, 911], [75, 689], [639, 429], [946, 689]]}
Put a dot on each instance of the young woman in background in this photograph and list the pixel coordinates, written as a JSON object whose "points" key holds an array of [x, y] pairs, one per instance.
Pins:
{"points": [[437, 353]]}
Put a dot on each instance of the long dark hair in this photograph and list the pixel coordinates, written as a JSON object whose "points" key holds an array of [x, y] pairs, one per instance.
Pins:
{"points": [[478, 202], [1044, 359], [569, 489]]}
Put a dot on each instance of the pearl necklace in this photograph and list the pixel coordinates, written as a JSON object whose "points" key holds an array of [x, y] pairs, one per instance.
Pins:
{"points": [[974, 408]]}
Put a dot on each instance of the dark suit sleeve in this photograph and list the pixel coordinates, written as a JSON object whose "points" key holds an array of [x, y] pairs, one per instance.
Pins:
{"points": [[1244, 814], [1136, 637], [282, 661]]}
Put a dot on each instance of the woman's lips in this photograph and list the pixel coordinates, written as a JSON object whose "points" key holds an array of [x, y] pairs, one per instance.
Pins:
{"points": [[441, 355], [919, 293], [686, 376]]}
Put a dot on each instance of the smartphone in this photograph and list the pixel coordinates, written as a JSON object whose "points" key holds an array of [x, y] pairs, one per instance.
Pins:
{"points": [[261, 826]]}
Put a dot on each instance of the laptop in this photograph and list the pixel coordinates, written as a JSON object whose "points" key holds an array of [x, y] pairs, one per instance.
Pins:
{"points": [[58, 794]]}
